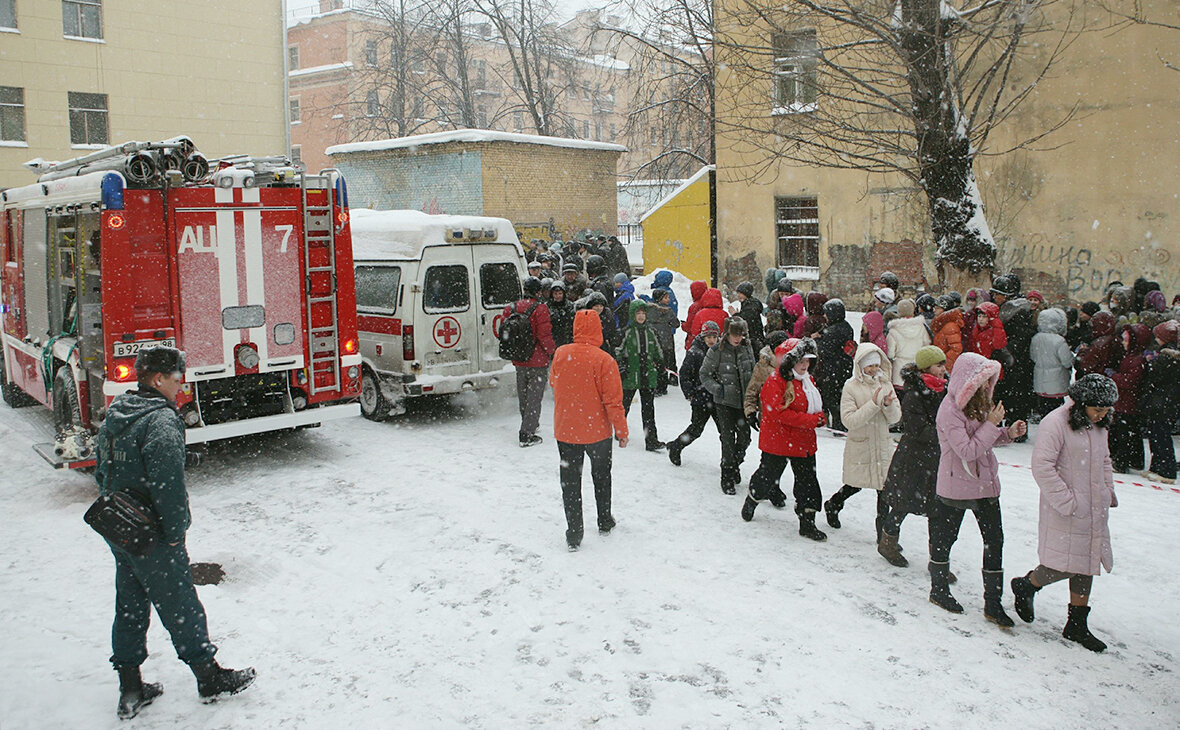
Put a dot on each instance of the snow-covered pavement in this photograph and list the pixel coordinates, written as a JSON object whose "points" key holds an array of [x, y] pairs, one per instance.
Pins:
{"points": [[413, 574]]}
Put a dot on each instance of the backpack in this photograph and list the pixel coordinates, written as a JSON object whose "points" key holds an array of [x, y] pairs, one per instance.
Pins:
{"points": [[516, 335]]}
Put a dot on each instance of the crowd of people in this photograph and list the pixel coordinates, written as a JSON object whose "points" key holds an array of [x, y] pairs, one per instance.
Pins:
{"points": [[923, 394]]}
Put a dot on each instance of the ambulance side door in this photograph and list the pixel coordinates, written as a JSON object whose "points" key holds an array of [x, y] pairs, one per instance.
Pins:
{"points": [[498, 275], [445, 334], [379, 324]]}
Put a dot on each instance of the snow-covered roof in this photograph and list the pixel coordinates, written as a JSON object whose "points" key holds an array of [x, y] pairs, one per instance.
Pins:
{"points": [[400, 234], [320, 69], [607, 62], [700, 173], [470, 135]]}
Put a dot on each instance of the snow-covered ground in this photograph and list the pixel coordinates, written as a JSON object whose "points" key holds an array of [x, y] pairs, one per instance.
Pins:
{"points": [[413, 574]]}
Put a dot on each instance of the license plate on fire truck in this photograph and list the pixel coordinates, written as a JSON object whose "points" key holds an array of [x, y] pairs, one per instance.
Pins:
{"points": [[126, 349]]}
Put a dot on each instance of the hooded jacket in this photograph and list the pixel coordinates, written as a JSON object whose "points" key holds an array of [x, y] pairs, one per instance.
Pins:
{"points": [[697, 289], [561, 321], [1159, 392], [906, 336], [874, 329], [624, 295], [1103, 352], [1051, 356], [751, 311], [141, 451], [726, 371], [1130, 371], [1019, 326], [690, 375], [1073, 470], [787, 430], [711, 310], [913, 472], [813, 321], [639, 356], [663, 280], [587, 390], [967, 465], [948, 335], [986, 339], [836, 345], [869, 448], [762, 369], [794, 310]]}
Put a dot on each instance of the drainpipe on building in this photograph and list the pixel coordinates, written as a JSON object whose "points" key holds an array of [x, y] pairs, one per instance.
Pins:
{"points": [[286, 84]]}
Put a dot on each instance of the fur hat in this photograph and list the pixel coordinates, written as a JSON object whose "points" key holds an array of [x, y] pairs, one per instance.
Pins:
{"points": [[972, 371], [569, 267], [884, 295], [784, 347], [710, 328], [804, 349], [736, 326], [776, 338], [906, 308], [945, 302], [745, 288], [1094, 390], [159, 360], [928, 356]]}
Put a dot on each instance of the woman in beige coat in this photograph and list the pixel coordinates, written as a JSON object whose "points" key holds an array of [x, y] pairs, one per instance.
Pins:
{"points": [[868, 405]]}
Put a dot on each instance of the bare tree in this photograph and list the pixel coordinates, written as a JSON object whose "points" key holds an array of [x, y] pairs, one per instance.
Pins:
{"points": [[907, 88], [1131, 12], [669, 46]]}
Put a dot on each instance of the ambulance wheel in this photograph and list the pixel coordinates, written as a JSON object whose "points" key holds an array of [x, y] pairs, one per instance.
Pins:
{"points": [[66, 412], [11, 392], [373, 405]]}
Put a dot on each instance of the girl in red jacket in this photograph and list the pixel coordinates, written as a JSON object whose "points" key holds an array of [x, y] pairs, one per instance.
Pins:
{"points": [[988, 334], [791, 411]]}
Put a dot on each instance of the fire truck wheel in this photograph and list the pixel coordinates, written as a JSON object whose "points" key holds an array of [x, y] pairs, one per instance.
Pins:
{"points": [[373, 405], [11, 392], [66, 412]]}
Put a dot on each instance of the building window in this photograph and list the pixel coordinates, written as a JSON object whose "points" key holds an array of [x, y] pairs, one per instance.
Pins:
{"points": [[585, 129], [598, 130], [797, 231], [371, 53], [517, 122], [481, 73], [796, 75], [297, 155], [81, 18], [12, 114], [8, 14], [88, 118], [292, 58], [372, 104], [293, 104]]}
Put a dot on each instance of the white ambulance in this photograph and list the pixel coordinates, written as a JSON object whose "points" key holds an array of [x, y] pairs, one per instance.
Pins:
{"points": [[431, 292]]}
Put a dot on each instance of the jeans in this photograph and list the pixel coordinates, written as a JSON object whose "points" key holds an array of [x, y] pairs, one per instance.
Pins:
{"points": [[162, 579], [735, 439], [647, 404], [1163, 451], [530, 391], [945, 520], [572, 458]]}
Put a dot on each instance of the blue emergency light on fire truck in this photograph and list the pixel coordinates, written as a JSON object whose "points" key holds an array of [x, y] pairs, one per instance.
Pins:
{"points": [[244, 263]]}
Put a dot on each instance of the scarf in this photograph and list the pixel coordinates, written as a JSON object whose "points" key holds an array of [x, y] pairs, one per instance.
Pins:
{"points": [[933, 382], [814, 403]]}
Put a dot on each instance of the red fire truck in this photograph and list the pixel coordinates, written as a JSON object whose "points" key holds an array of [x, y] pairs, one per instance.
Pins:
{"points": [[244, 263]]}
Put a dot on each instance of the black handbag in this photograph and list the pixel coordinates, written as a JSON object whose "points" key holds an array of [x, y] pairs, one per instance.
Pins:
{"points": [[125, 521]]}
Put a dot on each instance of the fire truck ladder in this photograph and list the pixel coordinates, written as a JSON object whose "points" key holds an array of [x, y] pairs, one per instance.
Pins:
{"points": [[319, 238]]}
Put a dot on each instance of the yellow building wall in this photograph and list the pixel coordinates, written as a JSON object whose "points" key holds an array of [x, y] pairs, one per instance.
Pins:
{"points": [[677, 235], [212, 70]]}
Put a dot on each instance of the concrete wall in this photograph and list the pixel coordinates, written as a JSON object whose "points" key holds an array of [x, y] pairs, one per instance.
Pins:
{"points": [[677, 235], [432, 182], [212, 70]]}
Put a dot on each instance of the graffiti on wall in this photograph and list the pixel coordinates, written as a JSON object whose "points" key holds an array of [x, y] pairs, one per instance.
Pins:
{"points": [[1084, 272]]}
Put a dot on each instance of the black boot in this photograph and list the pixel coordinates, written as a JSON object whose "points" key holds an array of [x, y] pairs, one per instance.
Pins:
{"points": [[1024, 591], [1077, 630], [808, 529], [674, 450], [215, 681], [748, 507], [832, 512], [134, 695], [993, 599], [777, 498], [940, 592]]}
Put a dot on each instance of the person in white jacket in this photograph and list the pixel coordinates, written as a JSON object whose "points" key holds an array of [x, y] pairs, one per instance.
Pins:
{"points": [[868, 405], [1052, 360], [907, 335]]}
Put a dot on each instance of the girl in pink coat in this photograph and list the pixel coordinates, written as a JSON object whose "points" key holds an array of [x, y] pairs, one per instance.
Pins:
{"points": [[1071, 463], [968, 426]]}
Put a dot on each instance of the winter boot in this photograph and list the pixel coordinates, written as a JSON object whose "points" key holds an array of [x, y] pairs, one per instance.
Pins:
{"points": [[777, 498], [604, 527], [1025, 591], [655, 446], [808, 529], [891, 551], [993, 599], [940, 592], [832, 512], [1077, 630], [134, 695], [674, 450], [748, 507], [951, 578], [728, 487], [529, 439], [215, 681]]}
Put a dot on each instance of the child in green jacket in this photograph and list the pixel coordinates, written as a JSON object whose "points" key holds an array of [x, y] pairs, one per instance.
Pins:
{"points": [[640, 362]]}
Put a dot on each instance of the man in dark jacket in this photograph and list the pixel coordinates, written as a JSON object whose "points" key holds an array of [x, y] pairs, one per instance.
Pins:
{"points": [[532, 374], [141, 451], [698, 397], [725, 373], [600, 280], [561, 314], [751, 311], [615, 255], [611, 336], [1015, 389], [836, 345]]}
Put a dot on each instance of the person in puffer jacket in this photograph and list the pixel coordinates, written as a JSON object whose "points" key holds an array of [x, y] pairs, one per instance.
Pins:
{"points": [[947, 327], [814, 321], [1126, 438], [907, 334], [836, 344], [640, 364], [1159, 399], [725, 373], [872, 329], [750, 309], [794, 310], [1071, 465], [768, 361], [792, 409], [987, 336], [698, 397], [1103, 351], [968, 479], [697, 289], [663, 280], [1052, 360], [711, 310]]}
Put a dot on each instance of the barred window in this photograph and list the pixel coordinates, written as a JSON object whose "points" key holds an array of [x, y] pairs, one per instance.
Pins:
{"points": [[797, 231]]}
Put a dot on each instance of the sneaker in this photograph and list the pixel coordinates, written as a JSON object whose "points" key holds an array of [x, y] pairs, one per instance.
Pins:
{"points": [[529, 440]]}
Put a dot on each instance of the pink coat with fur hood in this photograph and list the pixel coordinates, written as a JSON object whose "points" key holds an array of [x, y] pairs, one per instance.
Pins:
{"points": [[967, 467]]}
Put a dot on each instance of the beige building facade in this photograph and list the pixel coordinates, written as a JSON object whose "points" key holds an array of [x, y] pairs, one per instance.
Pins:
{"points": [[77, 75], [1094, 202]]}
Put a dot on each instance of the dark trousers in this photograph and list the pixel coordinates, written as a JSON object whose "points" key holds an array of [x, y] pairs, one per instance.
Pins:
{"points": [[696, 426], [572, 458], [735, 439], [1163, 451], [647, 407], [530, 391], [764, 482], [1046, 405], [1126, 443], [830, 393], [840, 497], [945, 520], [162, 579]]}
